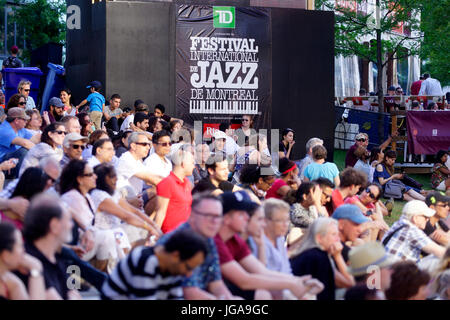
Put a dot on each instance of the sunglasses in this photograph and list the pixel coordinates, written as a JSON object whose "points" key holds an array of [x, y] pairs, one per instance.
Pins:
{"points": [[60, 132], [371, 194], [26, 90], [144, 144], [22, 103], [361, 140], [165, 144], [47, 177], [77, 146]]}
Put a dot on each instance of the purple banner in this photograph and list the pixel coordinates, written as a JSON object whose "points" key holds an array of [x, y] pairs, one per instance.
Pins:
{"points": [[428, 131]]}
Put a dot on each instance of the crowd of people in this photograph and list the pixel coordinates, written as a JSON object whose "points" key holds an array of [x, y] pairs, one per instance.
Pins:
{"points": [[144, 207]]}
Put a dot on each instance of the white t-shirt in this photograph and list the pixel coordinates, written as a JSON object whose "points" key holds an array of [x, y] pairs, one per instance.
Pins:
{"points": [[126, 168], [78, 205], [105, 220], [157, 166], [126, 123]]}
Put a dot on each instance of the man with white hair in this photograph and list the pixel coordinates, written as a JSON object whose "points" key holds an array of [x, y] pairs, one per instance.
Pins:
{"points": [[406, 238], [308, 158], [72, 124], [24, 89], [73, 146]]}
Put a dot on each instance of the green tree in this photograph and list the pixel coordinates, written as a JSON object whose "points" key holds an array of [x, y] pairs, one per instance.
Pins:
{"points": [[43, 21], [435, 51]]}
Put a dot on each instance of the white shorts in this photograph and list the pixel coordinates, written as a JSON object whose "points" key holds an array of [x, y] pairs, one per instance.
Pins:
{"points": [[441, 186], [105, 246]]}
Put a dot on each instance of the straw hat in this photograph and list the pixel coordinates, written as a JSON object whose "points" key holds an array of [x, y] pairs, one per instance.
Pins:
{"points": [[366, 255]]}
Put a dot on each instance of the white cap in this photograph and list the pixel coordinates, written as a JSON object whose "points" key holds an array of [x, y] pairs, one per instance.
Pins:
{"points": [[219, 135], [416, 208]]}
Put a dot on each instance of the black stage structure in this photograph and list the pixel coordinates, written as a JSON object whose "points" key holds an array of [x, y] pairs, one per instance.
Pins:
{"points": [[141, 49]]}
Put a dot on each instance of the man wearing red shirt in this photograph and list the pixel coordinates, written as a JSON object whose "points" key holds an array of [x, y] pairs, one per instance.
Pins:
{"points": [[174, 193], [351, 181], [415, 87]]}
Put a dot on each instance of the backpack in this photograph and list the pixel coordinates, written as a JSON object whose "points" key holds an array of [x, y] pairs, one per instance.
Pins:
{"points": [[394, 189], [12, 62]]}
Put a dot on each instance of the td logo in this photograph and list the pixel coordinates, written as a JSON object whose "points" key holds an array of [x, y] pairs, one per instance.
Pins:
{"points": [[224, 17]]}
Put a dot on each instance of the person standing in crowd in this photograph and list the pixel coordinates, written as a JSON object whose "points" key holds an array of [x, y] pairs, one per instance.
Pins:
{"points": [[243, 133], [113, 113], [430, 86], [66, 95], [96, 103], [351, 181], [288, 181], [13, 257], [164, 267], [440, 177], [321, 168], [73, 146], [244, 274], [316, 254], [13, 61], [408, 282], [415, 86], [286, 144], [308, 159], [206, 281], [174, 193], [24, 88], [405, 239], [15, 139], [72, 124]]}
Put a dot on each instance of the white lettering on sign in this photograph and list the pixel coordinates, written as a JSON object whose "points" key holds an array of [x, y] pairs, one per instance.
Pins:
{"points": [[435, 132]]}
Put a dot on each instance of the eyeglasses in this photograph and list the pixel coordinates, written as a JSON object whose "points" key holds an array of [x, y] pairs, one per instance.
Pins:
{"points": [[77, 146], [22, 103], [371, 194], [165, 144], [209, 216], [144, 144], [443, 205], [60, 132], [90, 174], [245, 120], [47, 177], [327, 196]]}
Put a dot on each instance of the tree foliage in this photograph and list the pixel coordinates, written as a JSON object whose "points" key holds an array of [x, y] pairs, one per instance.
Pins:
{"points": [[351, 27], [436, 45], [43, 22]]}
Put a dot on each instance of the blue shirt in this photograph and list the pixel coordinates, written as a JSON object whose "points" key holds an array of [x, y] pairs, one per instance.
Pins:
{"points": [[96, 101], [7, 135], [207, 272], [326, 170]]}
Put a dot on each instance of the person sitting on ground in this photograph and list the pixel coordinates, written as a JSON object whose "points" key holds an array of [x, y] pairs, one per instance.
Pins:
{"points": [[113, 113], [308, 159], [66, 97], [55, 111], [230, 144], [72, 124], [202, 153], [217, 180], [121, 143], [257, 180], [219, 144], [77, 179], [351, 181], [102, 152], [408, 282], [16, 101], [440, 177], [51, 141], [327, 192], [160, 112], [86, 124], [206, 280], [436, 227], [362, 139], [405, 239], [115, 213], [73, 146], [35, 123], [288, 181], [363, 156], [361, 292], [15, 140], [13, 257], [244, 274], [174, 195], [363, 259], [47, 227], [140, 122], [94, 137], [314, 257], [24, 89], [321, 168], [139, 106], [286, 144], [384, 173], [164, 267], [254, 234], [243, 133], [158, 162]]}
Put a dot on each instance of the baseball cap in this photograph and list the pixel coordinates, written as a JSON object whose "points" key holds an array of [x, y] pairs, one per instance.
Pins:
{"points": [[94, 84], [219, 135], [361, 136], [416, 208], [17, 112], [239, 200], [350, 212], [56, 102], [369, 254], [74, 137], [391, 88], [435, 197]]}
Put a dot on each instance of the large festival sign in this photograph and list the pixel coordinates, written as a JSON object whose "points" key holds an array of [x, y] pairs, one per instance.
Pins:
{"points": [[223, 64]]}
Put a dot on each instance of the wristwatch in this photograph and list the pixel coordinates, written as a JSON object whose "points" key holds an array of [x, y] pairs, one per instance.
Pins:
{"points": [[34, 273]]}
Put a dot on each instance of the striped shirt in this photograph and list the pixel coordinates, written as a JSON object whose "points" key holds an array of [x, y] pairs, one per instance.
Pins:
{"points": [[139, 277]]}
